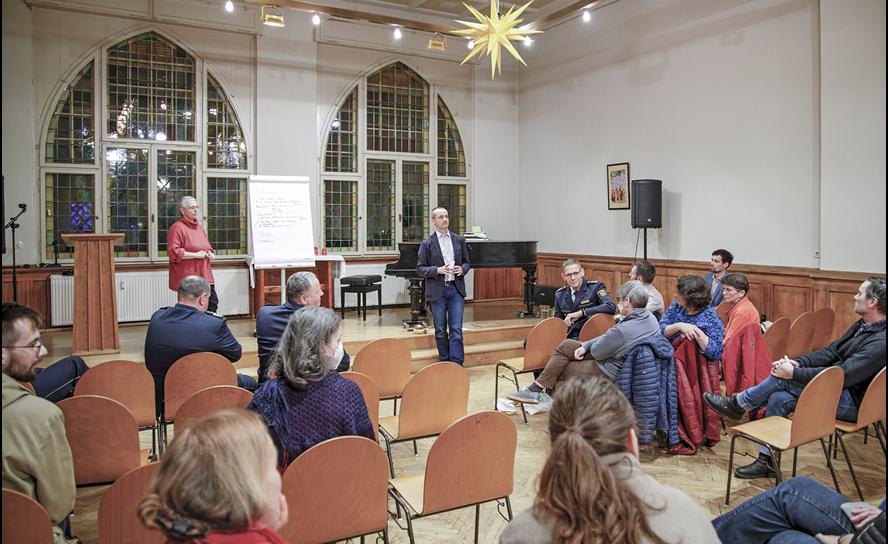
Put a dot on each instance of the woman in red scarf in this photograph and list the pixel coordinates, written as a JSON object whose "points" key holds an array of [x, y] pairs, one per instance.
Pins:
{"points": [[189, 249]]}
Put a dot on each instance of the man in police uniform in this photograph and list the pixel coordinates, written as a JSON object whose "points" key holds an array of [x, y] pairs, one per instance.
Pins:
{"points": [[580, 299]]}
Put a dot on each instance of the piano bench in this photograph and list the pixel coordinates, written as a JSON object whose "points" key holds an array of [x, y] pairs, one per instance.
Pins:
{"points": [[361, 285]]}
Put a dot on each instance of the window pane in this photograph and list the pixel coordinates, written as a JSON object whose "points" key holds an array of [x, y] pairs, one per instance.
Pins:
{"points": [[340, 216], [127, 184], [453, 197], [342, 139], [380, 205], [175, 179], [451, 159], [227, 215], [151, 89], [70, 208], [226, 147], [397, 110], [70, 137], [415, 203]]}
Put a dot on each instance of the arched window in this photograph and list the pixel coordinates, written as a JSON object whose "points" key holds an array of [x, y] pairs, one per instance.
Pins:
{"points": [[372, 203], [148, 154]]}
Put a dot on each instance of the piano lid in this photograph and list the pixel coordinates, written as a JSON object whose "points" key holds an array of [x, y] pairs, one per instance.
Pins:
{"points": [[482, 254]]}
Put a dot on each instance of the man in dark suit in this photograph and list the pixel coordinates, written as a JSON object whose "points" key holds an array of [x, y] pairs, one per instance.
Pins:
{"points": [[177, 331], [718, 267], [443, 262], [303, 289]]}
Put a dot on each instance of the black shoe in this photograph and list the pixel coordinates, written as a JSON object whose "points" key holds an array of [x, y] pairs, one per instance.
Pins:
{"points": [[760, 468], [724, 406]]}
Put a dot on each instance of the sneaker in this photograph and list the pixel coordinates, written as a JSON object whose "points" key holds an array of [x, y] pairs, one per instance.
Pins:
{"points": [[526, 396], [760, 468], [725, 406]]}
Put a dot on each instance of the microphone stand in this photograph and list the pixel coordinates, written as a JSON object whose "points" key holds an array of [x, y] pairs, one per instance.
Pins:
{"points": [[13, 225]]}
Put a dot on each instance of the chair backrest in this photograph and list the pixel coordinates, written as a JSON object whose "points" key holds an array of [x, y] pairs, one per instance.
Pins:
{"points": [[595, 326], [435, 397], [872, 408], [127, 382], [801, 335], [815, 412], [371, 395], [544, 337], [192, 373], [336, 489], [388, 363], [776, 336], [824, 319], [722, 311], [103, 436], [210, 400], [472, 461], [118, 522], [24, 519]]}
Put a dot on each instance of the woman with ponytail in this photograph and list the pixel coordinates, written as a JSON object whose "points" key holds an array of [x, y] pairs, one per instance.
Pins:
{"points": [[592, 489]]}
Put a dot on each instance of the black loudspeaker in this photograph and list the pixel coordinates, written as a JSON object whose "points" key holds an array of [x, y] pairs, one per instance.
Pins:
{"points": [[647, 203]]}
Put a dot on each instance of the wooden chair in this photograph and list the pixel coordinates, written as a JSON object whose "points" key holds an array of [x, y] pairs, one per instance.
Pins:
{"points": [[435, 397], [189, 375], [336, 490], [210, 400], [776, 336], [824, 319], [103, 436], [118, 522], [872, 412], [814, 419], [595, 326], [371, 396], [472, 462], [25, 520], [388, 363], [722, 311], [541, 343], [128, 383], [801, 336]]}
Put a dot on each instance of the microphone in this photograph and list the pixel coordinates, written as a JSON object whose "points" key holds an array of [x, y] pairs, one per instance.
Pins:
{"points": [[23, 206]]}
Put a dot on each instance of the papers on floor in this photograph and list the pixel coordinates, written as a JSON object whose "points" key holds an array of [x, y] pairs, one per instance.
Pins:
{"points": [[505, 405]]}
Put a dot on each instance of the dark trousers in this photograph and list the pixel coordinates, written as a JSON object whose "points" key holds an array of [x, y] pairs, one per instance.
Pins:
{"points": [[213, 303], [57, 381]]}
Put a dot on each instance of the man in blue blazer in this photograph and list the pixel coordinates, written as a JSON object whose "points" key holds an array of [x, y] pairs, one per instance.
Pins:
{"points": [[303, 289], [718, 268], [186, 328], [443, 262]]}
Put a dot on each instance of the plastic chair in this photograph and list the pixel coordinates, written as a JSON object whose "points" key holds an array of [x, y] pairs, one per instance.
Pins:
{"points": [[814, 419], [128, 383], [210, 400], [189, 375], [336, 490], [824, 319], [541, 343], [371, 396], [776, 336], [103, 436], [595, 326], [388, 363], [118, 522], [435, 397], [801, 336], [872, 412], [24, 519], [472, 462]]}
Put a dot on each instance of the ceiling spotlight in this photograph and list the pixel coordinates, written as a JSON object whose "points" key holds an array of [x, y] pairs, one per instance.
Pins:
{"points": [[316, 19], [397, 33], [586, 16], [270, 17], [471, 44], [527, 41], [229, 6]]}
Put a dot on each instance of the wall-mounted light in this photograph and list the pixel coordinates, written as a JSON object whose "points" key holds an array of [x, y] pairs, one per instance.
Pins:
{"points": [[586, 16], [471, 44], [528, 41], [397, 33], [270, 17], [316, 19], [229, 6]]}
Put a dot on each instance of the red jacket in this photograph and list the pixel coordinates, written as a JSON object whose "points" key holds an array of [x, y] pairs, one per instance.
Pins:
{"points": [[746, 360], [694, 375]]}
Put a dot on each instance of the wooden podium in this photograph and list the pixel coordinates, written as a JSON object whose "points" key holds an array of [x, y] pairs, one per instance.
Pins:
{"points": [[95, 302]]}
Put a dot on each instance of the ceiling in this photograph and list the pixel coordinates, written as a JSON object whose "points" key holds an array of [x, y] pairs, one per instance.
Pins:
{"points": [[455, 8]]}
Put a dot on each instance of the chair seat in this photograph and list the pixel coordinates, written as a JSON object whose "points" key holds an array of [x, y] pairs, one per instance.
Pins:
{"points": [[773, 430], [412, 489], [848, 426], [515, 363], [360, 280], [389, 424]]}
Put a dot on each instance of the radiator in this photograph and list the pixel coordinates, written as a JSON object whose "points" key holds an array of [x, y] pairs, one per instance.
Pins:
{"points": [[140, 294], [394, 289]]}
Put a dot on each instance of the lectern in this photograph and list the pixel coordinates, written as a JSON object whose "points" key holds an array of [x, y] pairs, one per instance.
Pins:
{"points": [[95, 303]]}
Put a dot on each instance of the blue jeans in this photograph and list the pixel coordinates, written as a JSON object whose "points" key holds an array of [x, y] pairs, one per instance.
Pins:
{"points": [[792, 512], [447, 312]]}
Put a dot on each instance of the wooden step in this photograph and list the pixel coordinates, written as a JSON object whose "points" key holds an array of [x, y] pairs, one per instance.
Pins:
{"points": [[487, 353]]}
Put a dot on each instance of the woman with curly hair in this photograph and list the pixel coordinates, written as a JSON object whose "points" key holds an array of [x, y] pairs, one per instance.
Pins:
{"points": [[592, 489], [691, 316]]}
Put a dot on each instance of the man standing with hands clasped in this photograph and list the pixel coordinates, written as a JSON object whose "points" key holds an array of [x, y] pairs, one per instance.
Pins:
{"points": [[443, 262]]}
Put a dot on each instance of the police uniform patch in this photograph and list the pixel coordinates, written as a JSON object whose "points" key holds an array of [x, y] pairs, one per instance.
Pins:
{"points": [[602, 293]]}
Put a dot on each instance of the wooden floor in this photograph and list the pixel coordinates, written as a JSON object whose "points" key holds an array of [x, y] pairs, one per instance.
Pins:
{"points": [[702, 476]]}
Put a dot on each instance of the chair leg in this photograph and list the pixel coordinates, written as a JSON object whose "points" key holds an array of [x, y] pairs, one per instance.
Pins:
{"points": [[496, 386], [730, 470], [850, 466], [477, 519], [388, 450], [880, 434], [509, 507], [342, 302], [396, 405], [865, 434], [777, 459], [385, 535], [523, 412], [379, 301], [832, 470], [415, 451], [795, 460], [409, 525]]}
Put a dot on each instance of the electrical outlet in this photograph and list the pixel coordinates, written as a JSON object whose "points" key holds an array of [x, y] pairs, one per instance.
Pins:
{"points": [[816, 253]]}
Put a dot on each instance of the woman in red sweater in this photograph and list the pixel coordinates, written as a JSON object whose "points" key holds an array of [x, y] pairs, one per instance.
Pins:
{"points": [[743, 312], [189, 249]]}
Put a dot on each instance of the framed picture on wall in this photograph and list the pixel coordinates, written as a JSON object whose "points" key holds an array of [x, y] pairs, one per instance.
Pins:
{"points": [[618, 186]]}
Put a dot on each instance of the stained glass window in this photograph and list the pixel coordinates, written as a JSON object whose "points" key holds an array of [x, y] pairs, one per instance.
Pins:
{"points": [[70, 206], [341, 154], [340, 216], [127, 197], [451, 159], [226, 147], [175, 179], [453, 197], [227, 215], [380, 205], [70, 137], [397, 110]]}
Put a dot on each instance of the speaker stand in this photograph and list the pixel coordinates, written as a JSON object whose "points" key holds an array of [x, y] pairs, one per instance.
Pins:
{"points": [[645, 250]]}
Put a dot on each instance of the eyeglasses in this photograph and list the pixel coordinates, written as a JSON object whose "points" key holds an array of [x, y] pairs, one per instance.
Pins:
{"points": [[36, 346]]}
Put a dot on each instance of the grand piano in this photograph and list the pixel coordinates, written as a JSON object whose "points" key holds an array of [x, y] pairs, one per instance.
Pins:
{"points": [[482, 254]]}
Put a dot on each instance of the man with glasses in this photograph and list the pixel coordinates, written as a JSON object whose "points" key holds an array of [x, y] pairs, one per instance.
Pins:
{"points": [[36, 456], [580, 299]]}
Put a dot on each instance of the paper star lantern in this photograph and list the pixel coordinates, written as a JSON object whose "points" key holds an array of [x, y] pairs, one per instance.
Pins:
{"points": [[493, 32]]}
